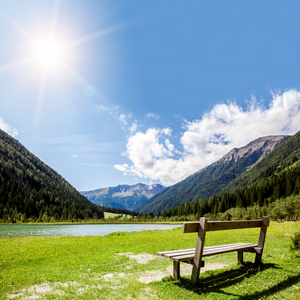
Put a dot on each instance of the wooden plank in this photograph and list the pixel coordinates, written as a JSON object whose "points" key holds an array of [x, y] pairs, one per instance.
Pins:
{"points": [[228, 249], [188, 254], [173, 251], [199, 250], [240, 257], [222, 225], [224, 246], [190, 227], [261, 240], [184, 258], [192, 252], [228, 225], [176, 270]]}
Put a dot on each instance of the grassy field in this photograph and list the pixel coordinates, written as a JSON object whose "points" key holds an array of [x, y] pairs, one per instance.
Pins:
{"points": [[121, 266], [108, 215]]}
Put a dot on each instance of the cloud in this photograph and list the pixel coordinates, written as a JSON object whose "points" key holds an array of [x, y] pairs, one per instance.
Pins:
{"points": [[205, 140], [125, 120], [134, 126], [8, 129], [153, 116], [101, 108]]}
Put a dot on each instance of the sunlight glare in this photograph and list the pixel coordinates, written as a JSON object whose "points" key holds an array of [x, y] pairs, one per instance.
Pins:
{"points": [[49, 53]]}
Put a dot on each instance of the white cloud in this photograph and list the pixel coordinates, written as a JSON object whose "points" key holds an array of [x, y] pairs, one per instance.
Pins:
{"points": [[153, 116], [101, 108], [8, 129], [207, 139], [125, 120], [134, 126]]}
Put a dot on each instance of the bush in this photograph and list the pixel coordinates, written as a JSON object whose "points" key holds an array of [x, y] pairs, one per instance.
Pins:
{"points": [[295, 241]]}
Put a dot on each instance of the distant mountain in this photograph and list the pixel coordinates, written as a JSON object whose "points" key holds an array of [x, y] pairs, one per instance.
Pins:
{"points": [[29, 189], [123, 196], [212, 179]]}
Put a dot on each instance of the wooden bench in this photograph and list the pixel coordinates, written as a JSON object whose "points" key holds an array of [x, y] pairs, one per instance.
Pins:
{"points": [[194, 256]]}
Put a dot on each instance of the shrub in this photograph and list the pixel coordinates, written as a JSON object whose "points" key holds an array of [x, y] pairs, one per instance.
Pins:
{"points": [[295, 241]]}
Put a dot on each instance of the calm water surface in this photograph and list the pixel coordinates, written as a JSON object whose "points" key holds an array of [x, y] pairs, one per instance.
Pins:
{"points": [[13, 230]]}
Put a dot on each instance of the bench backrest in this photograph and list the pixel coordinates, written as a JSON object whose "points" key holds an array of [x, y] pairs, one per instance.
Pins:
{"points": [[223, 225]]}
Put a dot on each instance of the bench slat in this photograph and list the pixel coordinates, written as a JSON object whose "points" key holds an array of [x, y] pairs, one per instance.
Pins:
{"points": [[188, 254], [164, 253], [182, 251], [222, 225], [228, 248]]}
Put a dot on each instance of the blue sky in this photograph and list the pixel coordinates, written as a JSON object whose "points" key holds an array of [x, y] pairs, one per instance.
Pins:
{"points": [[120, 92]]}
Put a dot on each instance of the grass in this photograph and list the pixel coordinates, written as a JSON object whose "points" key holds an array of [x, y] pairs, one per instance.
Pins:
{"points": [[109, 215], [90, 267]]}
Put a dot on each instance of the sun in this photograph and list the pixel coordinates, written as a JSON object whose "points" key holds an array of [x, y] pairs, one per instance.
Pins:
{"points": [[49, 53], [49, 50]]}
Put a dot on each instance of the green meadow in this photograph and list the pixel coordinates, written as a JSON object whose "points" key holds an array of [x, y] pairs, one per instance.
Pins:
{"points": [[123, 266]]}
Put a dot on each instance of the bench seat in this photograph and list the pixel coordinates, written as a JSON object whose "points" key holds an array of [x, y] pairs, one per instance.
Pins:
{"points": [[187, 255]]}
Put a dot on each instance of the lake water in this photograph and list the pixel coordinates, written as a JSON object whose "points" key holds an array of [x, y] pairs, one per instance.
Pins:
{"points": [[13, 230]]}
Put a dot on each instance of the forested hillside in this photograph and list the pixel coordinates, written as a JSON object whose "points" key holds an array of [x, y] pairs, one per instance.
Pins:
{"points": [[32, 191], [271, 187], [211, 180], [282, 157]]}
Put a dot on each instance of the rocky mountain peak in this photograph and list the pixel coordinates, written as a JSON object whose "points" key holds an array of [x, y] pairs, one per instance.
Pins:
{"points": [[263, 144], [212, 179], [124, 196]]}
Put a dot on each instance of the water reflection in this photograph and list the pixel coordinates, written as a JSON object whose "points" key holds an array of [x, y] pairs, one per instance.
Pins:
{"points": [[13, 230]]}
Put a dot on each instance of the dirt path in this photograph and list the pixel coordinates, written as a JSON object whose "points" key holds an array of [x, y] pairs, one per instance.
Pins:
{"points": [[150, 276]]}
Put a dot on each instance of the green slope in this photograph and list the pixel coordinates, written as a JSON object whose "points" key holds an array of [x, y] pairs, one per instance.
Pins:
{"points": [[278, 160], [29, 189], [271, 187], [211, 180]]}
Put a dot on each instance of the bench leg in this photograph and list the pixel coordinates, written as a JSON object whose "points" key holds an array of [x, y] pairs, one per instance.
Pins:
{"points": [[176, 270], [240, 257], [261, 240], [258, 258]]}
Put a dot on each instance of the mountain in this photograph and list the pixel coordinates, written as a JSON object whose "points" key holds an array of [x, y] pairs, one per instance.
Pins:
{"points": [[283, 159], [271, 187], [124, 196], [212, 179], [29, 189]]}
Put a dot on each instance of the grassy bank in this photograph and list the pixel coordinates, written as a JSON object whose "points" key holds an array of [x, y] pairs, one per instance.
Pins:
{"points": [[117, 267]]}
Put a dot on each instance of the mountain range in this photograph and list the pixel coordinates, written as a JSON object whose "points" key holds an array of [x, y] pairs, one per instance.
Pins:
{"points": [[214, 178], [31, 190], [129, 197]]}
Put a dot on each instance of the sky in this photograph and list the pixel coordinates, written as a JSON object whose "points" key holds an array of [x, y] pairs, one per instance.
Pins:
{"points": [[151, 91]]}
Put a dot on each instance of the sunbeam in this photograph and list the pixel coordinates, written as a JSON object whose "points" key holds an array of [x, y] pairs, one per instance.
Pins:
{"points": [[15, 64], [101, 33], [48, 52]]}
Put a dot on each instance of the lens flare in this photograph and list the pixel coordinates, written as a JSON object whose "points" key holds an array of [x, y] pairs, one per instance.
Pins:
{"points": [[49, 53]]}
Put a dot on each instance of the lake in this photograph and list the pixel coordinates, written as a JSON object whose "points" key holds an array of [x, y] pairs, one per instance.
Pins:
{"points": [[14, 230]]}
